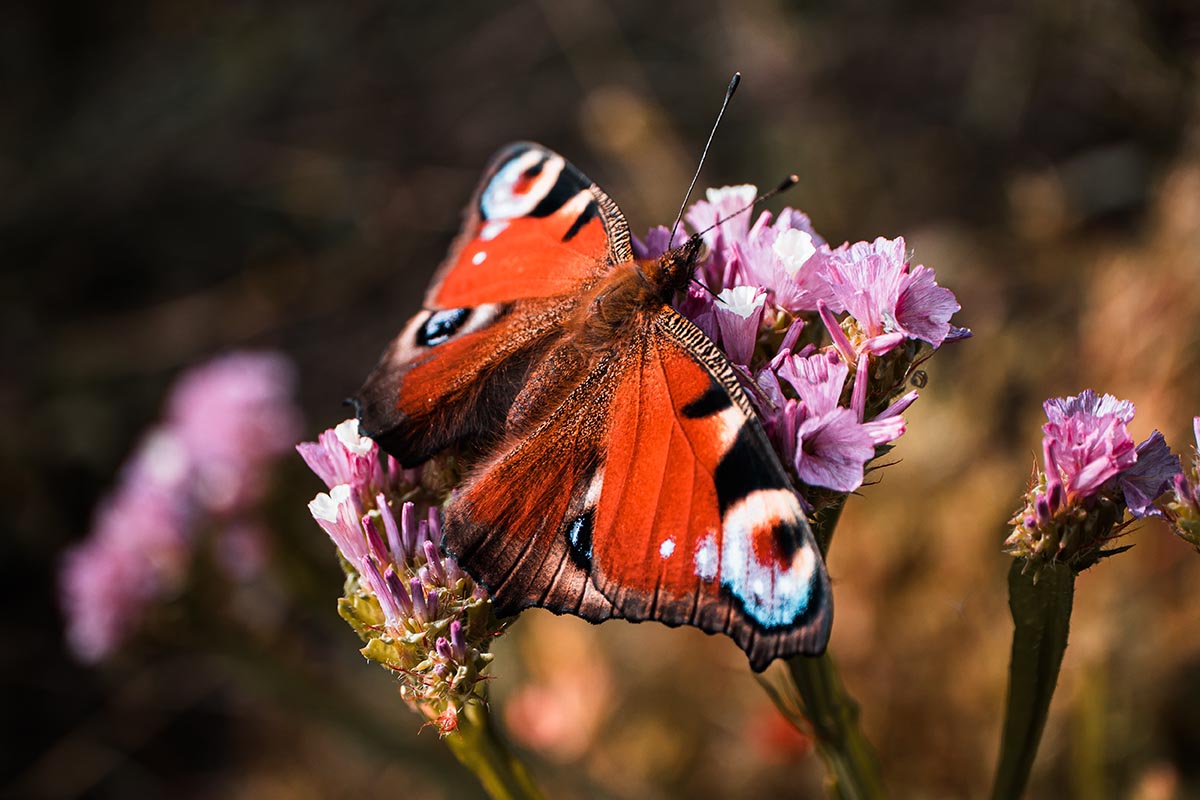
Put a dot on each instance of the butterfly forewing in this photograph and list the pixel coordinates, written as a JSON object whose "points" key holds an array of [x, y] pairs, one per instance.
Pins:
{"points": [[535, 234], [536, 228]]}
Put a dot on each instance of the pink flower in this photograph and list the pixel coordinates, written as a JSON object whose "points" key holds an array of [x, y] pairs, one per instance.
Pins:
{"points": [[342, 455], [1087, 442], [703, 216], [776, 256], [1183, 509], [1153, 473], [138, 553], [419, 614], [1093, 473], [1088, 448], [831, 442], [738, 312], [766, 278], [886, 296]]}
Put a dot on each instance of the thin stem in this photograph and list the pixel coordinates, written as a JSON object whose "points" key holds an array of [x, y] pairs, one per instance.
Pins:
{"points": [[1041, 612], [829, 709], [480, 749], [825, 522], [833, 714]]}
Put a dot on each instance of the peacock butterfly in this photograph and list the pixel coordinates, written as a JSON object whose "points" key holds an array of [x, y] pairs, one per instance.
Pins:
{"points": [[619, 468]]}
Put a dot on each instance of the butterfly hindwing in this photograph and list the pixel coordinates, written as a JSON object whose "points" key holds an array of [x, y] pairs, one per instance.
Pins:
{"points": [[649, 492], [535, 236]]}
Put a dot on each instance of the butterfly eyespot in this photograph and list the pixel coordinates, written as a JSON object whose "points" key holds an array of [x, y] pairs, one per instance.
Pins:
{"points": [[441, 325], [579, 535]]}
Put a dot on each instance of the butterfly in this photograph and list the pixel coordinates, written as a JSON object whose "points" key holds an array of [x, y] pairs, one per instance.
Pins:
{"points": [[619, 468]]}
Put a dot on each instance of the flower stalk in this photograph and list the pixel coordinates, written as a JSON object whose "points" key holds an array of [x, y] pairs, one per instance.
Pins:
{"points": [[1041, 613], [832, 716], [1092, 484], [478, 746], [826, 709]]}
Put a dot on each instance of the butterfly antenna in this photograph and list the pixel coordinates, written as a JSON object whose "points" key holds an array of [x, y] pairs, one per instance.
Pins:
{"points": [[787, 183], [733, 84]]}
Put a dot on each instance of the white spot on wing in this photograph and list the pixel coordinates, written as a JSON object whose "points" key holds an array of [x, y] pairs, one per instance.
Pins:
{"points": [[491, 230], [774, 594], [576, 205], [481, 316], [706, 558], [593, 493], [666, 548], [479, 257], [727, 425]]}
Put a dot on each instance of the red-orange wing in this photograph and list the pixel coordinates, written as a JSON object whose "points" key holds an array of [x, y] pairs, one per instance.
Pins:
{"points": [[650, 492], [536, 235]]}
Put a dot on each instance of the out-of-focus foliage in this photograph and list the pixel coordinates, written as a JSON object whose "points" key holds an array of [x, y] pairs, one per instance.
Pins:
{"points": [[183, 178]]}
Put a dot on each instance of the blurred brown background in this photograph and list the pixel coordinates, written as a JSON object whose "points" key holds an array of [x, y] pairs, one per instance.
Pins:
{"points": [[181, 178]]}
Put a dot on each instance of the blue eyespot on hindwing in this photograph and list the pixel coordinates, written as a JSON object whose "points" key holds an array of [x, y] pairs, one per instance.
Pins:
{"points": [[441, 325]]}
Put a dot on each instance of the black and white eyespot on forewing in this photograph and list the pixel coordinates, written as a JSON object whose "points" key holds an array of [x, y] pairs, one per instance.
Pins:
{"points": [[431, 328], [522, 186]]}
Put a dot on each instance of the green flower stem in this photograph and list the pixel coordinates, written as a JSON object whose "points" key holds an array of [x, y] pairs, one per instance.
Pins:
{"points": [[833, 714], [830, 711], [480, 749], [825, 522], [1041, 612]]}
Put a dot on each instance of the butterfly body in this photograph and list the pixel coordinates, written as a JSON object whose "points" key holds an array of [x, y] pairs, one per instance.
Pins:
{"points": [[617, 468]]}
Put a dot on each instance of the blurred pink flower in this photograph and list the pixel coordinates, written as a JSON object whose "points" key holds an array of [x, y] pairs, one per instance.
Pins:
{"points": [[233, 416], [209, 462]]}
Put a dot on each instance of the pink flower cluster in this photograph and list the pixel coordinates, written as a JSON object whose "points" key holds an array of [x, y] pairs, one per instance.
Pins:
{"points": [[1092, 473], [806, 322], [419, 613], [209, 461]]}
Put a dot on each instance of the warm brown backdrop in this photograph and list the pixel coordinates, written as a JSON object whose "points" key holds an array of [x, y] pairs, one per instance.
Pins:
{"points": [[182, 178]]}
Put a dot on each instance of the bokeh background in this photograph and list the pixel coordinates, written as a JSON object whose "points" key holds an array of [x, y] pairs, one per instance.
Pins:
{"points": [[185, 178]]}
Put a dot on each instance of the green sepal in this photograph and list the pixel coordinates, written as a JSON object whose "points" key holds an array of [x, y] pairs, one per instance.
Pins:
{"points": [[382, 651], [363, 615]]}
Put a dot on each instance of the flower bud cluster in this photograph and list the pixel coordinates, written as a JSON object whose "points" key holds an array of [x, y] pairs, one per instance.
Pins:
{"points": [[418, 613]]}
